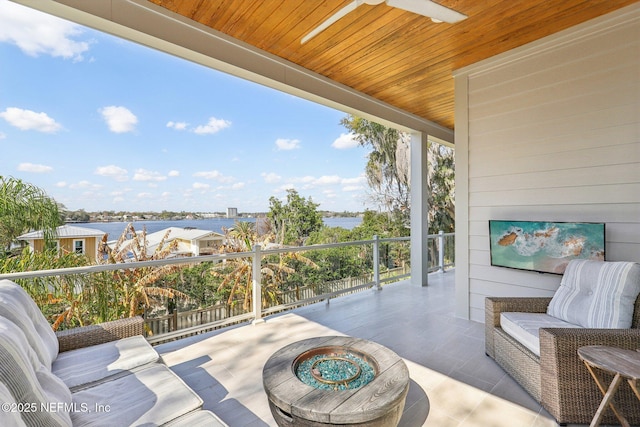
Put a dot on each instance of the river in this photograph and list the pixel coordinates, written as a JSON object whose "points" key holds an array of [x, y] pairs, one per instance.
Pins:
{"points": [[115, 229]]}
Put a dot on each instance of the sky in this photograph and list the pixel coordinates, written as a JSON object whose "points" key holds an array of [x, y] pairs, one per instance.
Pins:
{"points": [[101, 123]]}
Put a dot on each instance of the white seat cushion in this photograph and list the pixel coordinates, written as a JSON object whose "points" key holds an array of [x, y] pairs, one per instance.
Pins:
{"points": [[87, 365], [151, 396], [10, 416], [198, 419], [525, 327], [30, 382], [597, 294], [17, 306]]}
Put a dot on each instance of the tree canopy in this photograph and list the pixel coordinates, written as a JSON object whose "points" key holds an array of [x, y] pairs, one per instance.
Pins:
{"points": [[295, 220], [387, 173]]}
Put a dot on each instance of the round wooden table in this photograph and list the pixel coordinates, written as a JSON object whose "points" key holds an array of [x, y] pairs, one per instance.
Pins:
{"points": [[623, 364], [294, 403]]}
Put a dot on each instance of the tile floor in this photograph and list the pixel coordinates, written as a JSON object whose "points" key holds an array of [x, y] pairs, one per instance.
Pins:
{"points": [[453, 383]]}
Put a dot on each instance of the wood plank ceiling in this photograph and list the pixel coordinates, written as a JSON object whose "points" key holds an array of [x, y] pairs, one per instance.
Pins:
{"points": [[399, 57]]}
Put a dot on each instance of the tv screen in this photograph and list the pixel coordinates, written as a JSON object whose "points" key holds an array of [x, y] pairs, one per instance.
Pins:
{"points": [[542, 246]]}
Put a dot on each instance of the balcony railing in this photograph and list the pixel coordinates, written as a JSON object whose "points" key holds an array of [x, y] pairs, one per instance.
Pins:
{"points": [[378, 261]]}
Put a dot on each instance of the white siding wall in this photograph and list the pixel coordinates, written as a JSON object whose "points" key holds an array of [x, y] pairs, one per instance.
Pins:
{"points": [[553, 133]]}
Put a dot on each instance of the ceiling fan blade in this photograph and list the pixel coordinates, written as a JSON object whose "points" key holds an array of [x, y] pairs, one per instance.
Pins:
{"points": [[428, 8], [331, 20]]}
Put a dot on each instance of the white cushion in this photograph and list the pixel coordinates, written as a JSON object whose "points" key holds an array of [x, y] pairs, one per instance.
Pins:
{"points": [[525, 327], [17, 306], [151, 396], [198, 419], [29, 381], [90, 364], [597, 294], [10, 416]]}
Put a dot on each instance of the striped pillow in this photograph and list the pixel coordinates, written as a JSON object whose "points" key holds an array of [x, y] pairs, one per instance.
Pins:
{"points": [[17, 306], [597, 294], [30, 382]]}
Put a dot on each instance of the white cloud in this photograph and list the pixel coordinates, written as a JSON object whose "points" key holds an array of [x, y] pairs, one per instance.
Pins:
{"points": [[352, 188], [112, 171], [35, 168], [287, 144], [213, 126], [147, 175], [238, 186], [3, 135], [328, 180], [178, 125], [37, 33], [271, 178], [345, 141], [119, 119], [354, 181], [214, 174], [30, 120], [83, 185], [200, 186], [174, 173], [144, 195], [284, 187], [61, 184]]}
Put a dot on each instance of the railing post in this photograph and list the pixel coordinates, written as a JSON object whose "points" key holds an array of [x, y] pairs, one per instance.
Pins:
{"points": [[376, 262], [441, 251], [256, 284]]}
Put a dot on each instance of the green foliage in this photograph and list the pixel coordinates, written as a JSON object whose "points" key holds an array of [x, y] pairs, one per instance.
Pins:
{"points": [[142, 285], [23, 208], [382, 225], [197, 283], [294, 221]]}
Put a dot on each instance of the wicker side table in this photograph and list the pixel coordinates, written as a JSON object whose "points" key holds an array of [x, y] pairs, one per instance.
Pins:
{"points": [[623, 364]]}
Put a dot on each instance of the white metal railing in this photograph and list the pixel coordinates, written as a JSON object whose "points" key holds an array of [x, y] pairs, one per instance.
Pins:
{"points": [[440, 249]]}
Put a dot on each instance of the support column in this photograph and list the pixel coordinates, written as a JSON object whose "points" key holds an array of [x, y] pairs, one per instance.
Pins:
{"points": [[419, 210]]}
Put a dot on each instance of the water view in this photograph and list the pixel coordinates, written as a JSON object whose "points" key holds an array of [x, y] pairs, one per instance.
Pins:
{"points": [[115, 229]]}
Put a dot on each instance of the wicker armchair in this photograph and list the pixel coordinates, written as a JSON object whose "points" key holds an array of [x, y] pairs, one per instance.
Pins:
{"points": [[558, 379]]}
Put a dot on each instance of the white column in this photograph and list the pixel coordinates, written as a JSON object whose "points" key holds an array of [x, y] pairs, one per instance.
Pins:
{"points": [[419, 209], [257, 286]]}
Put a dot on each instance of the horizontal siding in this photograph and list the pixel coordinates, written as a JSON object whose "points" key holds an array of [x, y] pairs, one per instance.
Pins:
{"points": [[554, 136]]}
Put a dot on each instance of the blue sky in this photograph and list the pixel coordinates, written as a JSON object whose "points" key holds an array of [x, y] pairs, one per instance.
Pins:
{"points": [[104, 124]]}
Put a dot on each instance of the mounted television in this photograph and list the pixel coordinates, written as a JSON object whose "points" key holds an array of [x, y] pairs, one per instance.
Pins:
{"points": [[545, 247]]}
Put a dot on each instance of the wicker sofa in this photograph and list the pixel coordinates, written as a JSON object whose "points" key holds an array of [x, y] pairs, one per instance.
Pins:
{"points": [[555, 376], [104, 374]]}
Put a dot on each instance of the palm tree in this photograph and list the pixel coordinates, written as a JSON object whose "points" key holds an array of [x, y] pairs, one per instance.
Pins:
{"points": [[237, 273], [25, 207]]}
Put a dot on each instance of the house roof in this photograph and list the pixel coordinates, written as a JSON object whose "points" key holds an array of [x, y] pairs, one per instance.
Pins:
{"points": [[391, 58], [65, 232], [183, 233], [175, 233]]}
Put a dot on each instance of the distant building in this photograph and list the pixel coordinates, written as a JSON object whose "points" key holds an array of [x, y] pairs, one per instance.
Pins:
{"points": [[71, 239], [232, 212], [191, 241]]}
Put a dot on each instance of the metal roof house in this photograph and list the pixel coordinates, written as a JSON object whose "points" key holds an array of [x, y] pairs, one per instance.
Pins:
{"points": [[190, 241], [70, 239]]}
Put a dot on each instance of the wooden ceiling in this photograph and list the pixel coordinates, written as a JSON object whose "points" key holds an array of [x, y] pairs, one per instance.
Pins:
{"points": [[398, 57]]}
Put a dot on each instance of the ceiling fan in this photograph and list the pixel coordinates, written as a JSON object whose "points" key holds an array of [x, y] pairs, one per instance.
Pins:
{"points": [[436, 12]]}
